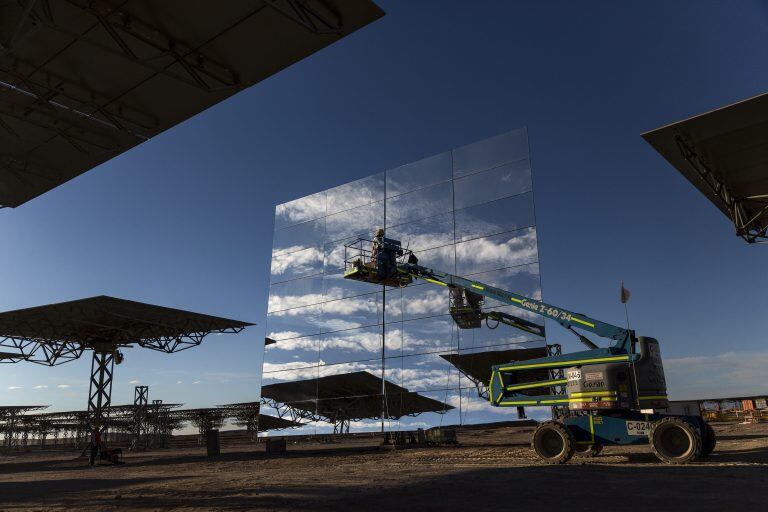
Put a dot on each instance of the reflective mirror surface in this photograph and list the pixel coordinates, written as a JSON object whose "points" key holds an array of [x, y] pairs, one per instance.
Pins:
{"points": [[469, 212]]}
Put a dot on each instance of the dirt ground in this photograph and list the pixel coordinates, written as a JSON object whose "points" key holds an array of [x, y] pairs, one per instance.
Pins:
{"points": [[493, 469]]}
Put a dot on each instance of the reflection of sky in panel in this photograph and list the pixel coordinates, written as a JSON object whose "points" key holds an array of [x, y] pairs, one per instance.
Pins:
{"points": [[426, 372], [295, 293], [300, 210], [299, 237], [419, 204], [336, 287], [351, 312], [334, 254], [448, 417], [497, 251], [425, 300], [502, 335], [288, 372], [476, 410], [394, 340], [292, 352], [293, 323], [507, 180], [507, 214], [293, 265], [435, 334], [423, 173], [351, 345], [523, 280], [425, 233], [360, 221], [439, 258], [488, 153], [394, 310], [356, 193]]}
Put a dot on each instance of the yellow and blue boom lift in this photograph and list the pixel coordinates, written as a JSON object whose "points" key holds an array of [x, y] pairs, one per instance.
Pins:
{"points": [[612, 394]]}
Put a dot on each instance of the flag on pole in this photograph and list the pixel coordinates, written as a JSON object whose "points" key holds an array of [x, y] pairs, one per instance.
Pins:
{"points": [[624, 294]]}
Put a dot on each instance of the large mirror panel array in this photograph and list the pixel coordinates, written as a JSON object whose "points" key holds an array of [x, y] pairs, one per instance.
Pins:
{"points": [[469, 211]]}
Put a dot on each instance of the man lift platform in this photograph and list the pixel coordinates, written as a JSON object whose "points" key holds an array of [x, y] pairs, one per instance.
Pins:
{"points": [[609, 389]]}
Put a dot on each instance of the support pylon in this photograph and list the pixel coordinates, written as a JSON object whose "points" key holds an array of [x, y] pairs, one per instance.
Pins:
{"points": [[100, 392]]}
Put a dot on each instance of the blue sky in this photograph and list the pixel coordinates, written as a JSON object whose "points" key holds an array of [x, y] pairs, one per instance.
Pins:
{"points": [[186, 219]]}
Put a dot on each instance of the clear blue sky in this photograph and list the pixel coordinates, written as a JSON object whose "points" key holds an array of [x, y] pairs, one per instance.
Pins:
{"points": [[185, 220]]}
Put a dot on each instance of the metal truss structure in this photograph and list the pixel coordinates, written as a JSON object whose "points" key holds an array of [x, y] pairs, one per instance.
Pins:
{"points": [[100, 392], [748, 214], [14, 425], [295, 414], [139, 426], [59, 333], [300, 415], [82, 81], [206, 419], [244, 414], [723, 154]]}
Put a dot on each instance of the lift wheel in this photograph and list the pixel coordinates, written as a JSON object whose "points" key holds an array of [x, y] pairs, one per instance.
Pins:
{"points": [[675, 441], [553, 442]]}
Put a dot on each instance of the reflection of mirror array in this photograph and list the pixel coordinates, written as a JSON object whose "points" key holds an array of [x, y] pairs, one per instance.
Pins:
{"points": [[468, 211]]}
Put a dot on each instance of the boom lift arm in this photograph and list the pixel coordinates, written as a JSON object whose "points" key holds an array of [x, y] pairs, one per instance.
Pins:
{"points": [[568, 319], [391, 265]]}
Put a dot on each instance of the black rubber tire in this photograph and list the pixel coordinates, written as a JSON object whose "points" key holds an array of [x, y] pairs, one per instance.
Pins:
{"points": [[588, 450], [553, 442], [708, 440], [675, 441]]}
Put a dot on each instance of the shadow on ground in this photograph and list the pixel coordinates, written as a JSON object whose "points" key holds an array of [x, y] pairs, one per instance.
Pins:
{"points": [[542, 488]]}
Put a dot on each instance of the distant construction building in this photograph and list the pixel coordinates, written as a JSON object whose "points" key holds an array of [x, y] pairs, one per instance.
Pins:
{"points": [[468, 211]]}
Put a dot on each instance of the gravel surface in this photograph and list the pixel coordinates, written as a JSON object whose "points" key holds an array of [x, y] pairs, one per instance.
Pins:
{"points": [[492, 469]]}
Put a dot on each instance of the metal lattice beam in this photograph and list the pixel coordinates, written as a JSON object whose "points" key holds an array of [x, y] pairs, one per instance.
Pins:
{"points": [[100, 392], [746, 212]]}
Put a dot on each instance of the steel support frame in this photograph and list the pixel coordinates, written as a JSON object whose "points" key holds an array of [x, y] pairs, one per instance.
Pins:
{"points": [[341, 426], [160, 426], [747, 223], [140, 400], [100, 390], [295, 414]]}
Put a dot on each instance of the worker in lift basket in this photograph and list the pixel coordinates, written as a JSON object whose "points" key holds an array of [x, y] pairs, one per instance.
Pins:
{"points": [[376, 245], [378, 258]]}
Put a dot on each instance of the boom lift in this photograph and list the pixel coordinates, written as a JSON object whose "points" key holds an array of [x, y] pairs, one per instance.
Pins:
{"points": [[608, 388]]}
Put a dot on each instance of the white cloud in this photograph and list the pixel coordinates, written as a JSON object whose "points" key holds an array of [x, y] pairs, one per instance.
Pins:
{"points": [[179, 382], [134, 381], [196, 382], [41, 386], [14, 388], [299, 261], [301, 370], [484, 252], [63, 386], [309, 207]]}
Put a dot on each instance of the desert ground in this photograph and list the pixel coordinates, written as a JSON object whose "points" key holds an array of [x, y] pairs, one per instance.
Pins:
{"points": [[491, 469]]}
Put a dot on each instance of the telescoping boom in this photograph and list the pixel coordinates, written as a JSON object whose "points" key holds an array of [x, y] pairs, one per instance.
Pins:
{"points": [[384, 261]]}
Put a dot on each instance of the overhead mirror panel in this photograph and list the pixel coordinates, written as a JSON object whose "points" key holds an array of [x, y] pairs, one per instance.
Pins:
{"points": [[83, 81]]}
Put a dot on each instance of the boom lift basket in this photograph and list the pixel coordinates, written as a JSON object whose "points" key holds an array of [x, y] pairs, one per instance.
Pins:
{"points": [[376, 262], [466, 308]]}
